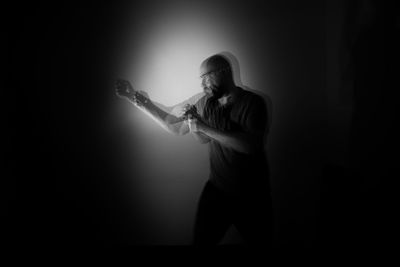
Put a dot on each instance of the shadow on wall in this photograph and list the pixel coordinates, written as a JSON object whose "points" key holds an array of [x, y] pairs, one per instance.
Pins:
{"points": [[232, 236], [355, 197], [238, 81]]}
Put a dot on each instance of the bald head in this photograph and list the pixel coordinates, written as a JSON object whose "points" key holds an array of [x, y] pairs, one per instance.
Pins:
{"points": [[215, 63]]}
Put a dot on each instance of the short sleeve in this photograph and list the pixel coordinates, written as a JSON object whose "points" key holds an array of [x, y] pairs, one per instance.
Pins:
{"points": [[194, 100]]}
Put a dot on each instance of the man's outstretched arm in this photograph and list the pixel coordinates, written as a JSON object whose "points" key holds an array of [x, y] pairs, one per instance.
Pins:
{"points": [[169, 122], [162, 116]]}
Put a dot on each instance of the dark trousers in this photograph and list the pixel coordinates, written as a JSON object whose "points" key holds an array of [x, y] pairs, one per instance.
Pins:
{"points": [[250, 213]]}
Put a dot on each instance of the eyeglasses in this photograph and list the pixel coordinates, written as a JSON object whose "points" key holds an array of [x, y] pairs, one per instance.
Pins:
{"points": [[214, 72]]}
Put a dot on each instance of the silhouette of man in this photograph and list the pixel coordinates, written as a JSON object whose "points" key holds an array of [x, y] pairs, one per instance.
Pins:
{"points": [[232, 121]]}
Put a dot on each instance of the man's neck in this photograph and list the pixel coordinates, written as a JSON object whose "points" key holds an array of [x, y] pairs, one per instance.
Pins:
{"points": [[230, 96]]}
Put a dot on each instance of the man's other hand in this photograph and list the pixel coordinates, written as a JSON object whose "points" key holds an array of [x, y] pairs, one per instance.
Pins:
{"points": [[188, 110], [195, 125]]}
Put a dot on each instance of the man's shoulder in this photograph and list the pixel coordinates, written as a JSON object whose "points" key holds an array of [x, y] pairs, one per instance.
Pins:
{"points": [[248, 97], [195, 100], [192, 100], [198, 97]]}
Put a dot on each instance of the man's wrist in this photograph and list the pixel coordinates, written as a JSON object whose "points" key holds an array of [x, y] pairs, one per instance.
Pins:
{"points": [[141, 104]]}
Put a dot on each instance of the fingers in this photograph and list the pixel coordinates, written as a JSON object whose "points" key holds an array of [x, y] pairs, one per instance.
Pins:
{"points": [[182, 111], [120, 82], [187, 108], [189, 119], [188, 122], [123, 88], [136, 101], [192, 123]]}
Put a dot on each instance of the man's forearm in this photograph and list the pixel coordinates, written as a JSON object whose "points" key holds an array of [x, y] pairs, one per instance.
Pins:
{"points": [[166, 120], [242, 142]]}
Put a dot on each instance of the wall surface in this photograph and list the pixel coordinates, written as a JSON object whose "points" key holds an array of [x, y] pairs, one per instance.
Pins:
{"points": [[280, 49]]}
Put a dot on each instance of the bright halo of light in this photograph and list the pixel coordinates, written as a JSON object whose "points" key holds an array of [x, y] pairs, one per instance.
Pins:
{"points": [[169, 55]]}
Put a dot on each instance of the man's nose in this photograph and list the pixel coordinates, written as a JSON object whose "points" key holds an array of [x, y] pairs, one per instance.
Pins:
{"points": [[203, 83]]}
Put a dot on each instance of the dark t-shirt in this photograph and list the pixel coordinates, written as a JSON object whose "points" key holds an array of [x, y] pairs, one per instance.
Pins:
{"points": [[230, 170]]}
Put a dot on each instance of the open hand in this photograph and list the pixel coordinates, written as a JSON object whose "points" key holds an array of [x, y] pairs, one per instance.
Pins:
{"points": [[124, 89]]}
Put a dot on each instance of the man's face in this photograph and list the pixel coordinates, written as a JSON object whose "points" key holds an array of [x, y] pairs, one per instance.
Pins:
{"points": [[211, 82]]}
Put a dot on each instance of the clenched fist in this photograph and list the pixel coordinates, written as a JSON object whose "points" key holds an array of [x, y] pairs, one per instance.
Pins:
{"points": [[192, 118], [189, 111]]}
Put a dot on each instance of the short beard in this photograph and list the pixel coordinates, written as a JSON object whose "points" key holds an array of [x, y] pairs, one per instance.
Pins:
{"points": [[218, 92]]}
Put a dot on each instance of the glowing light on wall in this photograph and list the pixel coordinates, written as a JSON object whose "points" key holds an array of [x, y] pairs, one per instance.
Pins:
{"points": [[166, 61]]}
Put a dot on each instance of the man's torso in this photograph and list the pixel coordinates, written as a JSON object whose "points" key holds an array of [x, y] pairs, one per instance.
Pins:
{"points": [[230, 170]]}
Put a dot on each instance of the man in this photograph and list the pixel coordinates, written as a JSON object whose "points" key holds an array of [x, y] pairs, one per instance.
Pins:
{"points": [[232, 121]]}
